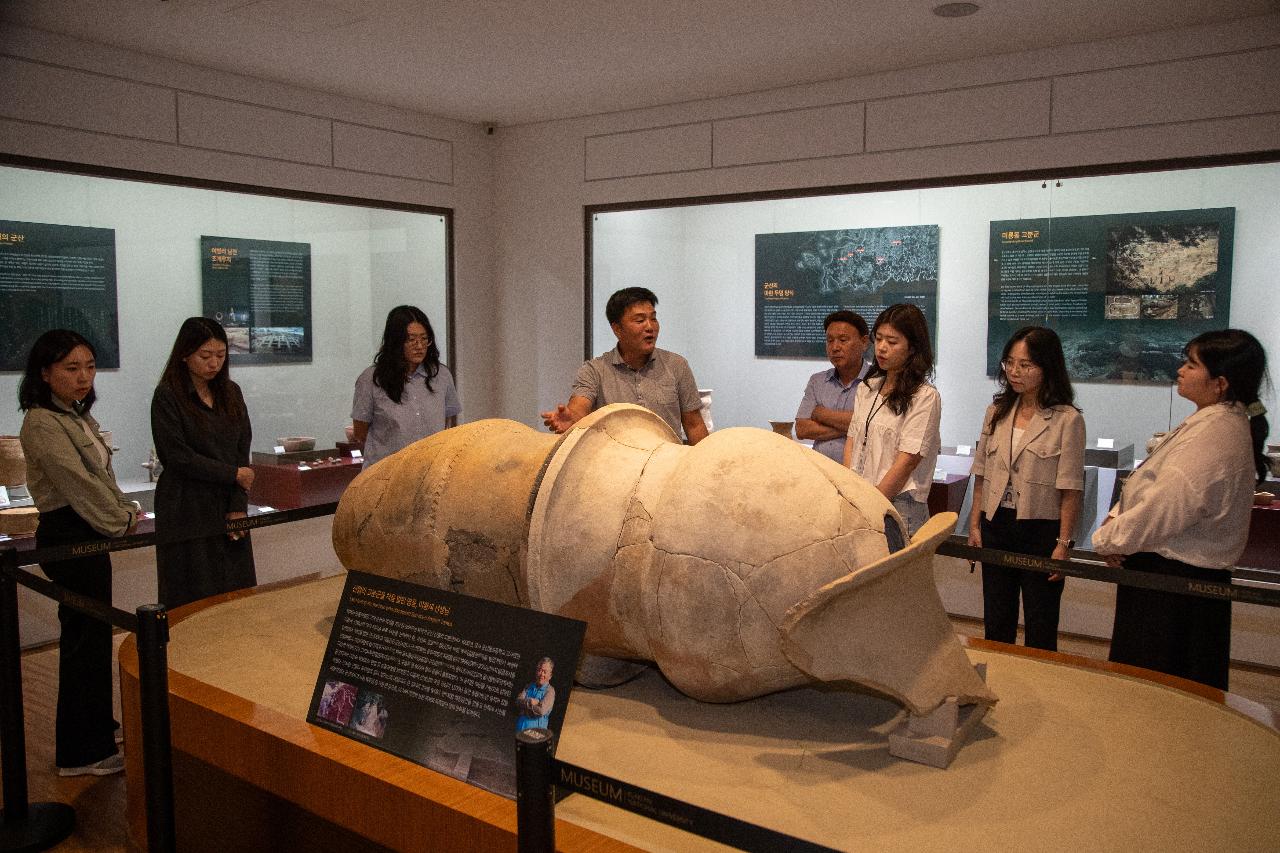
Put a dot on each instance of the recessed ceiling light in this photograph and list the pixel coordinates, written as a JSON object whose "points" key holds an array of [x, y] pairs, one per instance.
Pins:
{"points": [[955, 10]]}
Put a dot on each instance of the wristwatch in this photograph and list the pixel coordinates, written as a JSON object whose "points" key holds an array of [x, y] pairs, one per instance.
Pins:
{"points": [[1070, 543]]}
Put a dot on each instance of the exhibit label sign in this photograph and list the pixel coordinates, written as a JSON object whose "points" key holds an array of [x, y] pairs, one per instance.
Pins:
{"points": [[803, 276], [444, 680], [260, 291], [57, 277], [1124, 291]]}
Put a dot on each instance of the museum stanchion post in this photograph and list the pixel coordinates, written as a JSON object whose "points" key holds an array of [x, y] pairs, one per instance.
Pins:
{"points": [[26, 826], [39, 826], [157, 749], [535, 807]]}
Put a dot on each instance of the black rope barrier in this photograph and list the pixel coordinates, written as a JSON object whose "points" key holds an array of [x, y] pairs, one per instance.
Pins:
{"points": [[1246, 573], [535, 794], [538, 775], [38, 826], [957, 546], [144, 540], [122, 619]]}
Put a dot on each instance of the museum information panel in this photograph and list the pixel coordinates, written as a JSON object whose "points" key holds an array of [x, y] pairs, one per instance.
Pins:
{"points": [[1124, 291], [803, 276], [57, 277], [260, 291], [441, 679]]}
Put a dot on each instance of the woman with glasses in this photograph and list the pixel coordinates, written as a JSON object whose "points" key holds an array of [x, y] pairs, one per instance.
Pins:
{"points": [[1028, 485], [1185, 512], [893, 432], [407, 394]]}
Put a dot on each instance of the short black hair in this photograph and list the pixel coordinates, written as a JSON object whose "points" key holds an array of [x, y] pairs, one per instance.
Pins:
{"points": [[624, 299], [844, 315]]}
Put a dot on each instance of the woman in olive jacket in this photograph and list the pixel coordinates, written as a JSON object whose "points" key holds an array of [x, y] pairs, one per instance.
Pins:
{"points": [[71, 481]]}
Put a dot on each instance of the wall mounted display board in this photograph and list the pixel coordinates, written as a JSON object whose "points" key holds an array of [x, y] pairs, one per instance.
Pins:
{"points": [[802, 276], [260, 291], [1124, 291], [441, 679], [57, 277]]}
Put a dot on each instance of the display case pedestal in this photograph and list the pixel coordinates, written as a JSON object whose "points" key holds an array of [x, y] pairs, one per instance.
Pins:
{"points": [[287, 486]]}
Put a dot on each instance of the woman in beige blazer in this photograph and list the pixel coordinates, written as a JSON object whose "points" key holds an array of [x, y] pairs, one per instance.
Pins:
{"points": [[1028, 484]]}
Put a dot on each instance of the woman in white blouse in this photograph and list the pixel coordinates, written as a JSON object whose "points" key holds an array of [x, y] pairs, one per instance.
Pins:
{"points": [[893, 432], [1185, 512], [1028, 484]]}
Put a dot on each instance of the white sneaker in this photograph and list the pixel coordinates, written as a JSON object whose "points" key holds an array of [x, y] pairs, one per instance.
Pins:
{"points": [[107, 766]]}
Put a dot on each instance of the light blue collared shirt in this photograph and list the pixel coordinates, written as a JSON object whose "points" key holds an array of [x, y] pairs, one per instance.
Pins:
{"points": [[825, 389], [420, 413]]}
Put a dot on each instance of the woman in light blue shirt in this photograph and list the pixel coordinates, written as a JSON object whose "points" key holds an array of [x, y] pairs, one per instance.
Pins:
{"points": [[407, 394]]}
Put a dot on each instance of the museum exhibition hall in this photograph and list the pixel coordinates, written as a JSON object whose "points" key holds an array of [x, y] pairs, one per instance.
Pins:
{"points": [[696, 640]]}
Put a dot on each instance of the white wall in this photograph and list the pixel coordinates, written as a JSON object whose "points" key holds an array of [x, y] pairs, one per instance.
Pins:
{"points": [[700, 261]]}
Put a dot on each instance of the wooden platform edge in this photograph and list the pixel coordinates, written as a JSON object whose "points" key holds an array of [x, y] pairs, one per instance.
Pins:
{"points": [[386, 799], [1253, 711]]}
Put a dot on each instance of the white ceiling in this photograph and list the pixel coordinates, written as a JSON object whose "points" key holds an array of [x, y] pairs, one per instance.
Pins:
{"points": [[523, 61]]}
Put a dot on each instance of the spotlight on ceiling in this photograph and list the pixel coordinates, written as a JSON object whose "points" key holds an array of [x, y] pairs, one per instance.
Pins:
{"points": [[955, 10]]}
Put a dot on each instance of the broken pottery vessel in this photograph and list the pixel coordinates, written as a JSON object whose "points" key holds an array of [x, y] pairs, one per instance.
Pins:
{"points": [[745, 565]]}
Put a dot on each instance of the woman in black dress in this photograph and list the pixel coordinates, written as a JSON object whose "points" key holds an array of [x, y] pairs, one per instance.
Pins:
{"points": [[201, 432]]}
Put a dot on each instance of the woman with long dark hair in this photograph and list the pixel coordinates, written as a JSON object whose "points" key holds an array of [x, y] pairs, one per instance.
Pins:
{"points": [[1028, 485], [202, 434], [1185, 512], [70, 478], [407, 394], [893, 432]]}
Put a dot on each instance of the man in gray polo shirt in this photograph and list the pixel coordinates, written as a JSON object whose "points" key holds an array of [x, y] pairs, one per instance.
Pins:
{"points": [[635, 371]]}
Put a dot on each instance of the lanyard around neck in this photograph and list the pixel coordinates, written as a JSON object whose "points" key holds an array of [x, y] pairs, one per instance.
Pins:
{"points": [[876, 405]]}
